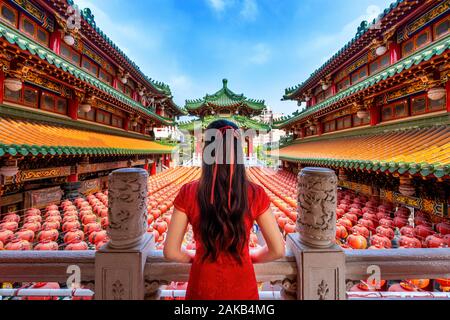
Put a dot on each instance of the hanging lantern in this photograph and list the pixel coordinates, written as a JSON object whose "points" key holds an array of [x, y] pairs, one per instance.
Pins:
{"points": [[69, 39], [141, 93], [437, 93], [85, 107], [363, 114], [10, 169], [381, 50], [134, 123], [325, 86], [13, 84], [308, 97]]}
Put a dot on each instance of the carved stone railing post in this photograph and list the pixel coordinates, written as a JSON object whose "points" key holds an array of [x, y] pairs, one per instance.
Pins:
{"points": [[320, 262], [119, 266]]}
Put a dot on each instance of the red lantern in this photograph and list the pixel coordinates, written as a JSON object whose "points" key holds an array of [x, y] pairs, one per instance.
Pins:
{"points": [[6, 236], [51, 225], [341, 232], [410, 242], [46, 246], [443, 228], [407, 231], [359, 229], [31, 219], [71, 225], [100, 244], [346, 223], [48, 234], [386, 232], [400, 222], [357, 241], [381, 241], [77, 246], [33, 226], [27, 235], [352, 217], [98, 236], [422, 231], [12, 226], [367, 223], [74, 236], [52, 213], [92, 227], [387, 222], [435, 241], [414, 284], [290, 227], [18, 245], [89, 218], [11, 217]]}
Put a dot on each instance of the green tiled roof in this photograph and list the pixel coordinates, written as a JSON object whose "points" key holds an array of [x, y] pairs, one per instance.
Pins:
{"points": [[362, 30], [426, 54], [24, 43], [89, 18], [225, 98], [241, 121]]}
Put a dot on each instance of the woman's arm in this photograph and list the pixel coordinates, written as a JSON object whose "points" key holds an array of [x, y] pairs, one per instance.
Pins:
{"points": [[275, 246], [174, 240]]}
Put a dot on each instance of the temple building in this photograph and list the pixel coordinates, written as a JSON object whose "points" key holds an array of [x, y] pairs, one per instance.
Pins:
{"points": [[225, 104], [378, 111], [73, 106]]}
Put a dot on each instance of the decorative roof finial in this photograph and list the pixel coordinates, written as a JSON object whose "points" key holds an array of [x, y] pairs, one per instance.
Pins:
{"points": [[225, 83]]}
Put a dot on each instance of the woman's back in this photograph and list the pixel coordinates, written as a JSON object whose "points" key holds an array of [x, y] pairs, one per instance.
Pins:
{"points": [[226, 278]]}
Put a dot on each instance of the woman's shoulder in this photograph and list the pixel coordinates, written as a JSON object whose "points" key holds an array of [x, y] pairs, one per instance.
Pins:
{"points": [[190, 186], [255, 188]]}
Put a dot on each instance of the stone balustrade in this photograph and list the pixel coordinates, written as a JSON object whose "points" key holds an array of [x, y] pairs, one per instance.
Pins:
{"points": [[314, 268]]}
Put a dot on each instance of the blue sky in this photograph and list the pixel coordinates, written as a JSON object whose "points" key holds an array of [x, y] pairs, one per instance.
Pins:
{"points": [[260, 46]]}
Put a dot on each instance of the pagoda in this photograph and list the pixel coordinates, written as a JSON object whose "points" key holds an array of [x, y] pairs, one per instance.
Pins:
{"points": [[227, 105], [378, 111]]}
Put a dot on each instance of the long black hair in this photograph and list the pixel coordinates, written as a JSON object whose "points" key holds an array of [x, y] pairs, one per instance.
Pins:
{"points": [[223, 206]]}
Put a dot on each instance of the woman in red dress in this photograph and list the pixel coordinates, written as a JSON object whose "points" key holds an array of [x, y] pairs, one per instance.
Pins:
{"points": [[222, 207]]}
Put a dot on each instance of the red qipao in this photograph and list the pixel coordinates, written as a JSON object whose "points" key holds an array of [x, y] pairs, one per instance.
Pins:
{"points": [[224, 279]]}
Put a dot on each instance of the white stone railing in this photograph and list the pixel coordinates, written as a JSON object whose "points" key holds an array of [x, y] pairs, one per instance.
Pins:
{"points": [[129, 267]]}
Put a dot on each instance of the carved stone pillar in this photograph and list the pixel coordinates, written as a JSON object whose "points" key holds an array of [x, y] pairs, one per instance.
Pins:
{"points": [[321, 263], [119, 266]]}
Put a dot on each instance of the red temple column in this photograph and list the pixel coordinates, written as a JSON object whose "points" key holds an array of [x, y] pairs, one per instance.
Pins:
{"points": [[313, 101], [126, 124], [115, 83], [2, 85], [333, 89], [374, 116], [74, 104], [320, 129], [168, 158], [395, 52], [55, 41], [153, 169], [447, 86], [72, 178]]}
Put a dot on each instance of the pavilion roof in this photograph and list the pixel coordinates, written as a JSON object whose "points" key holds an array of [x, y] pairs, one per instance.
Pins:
{"points": [[25, 137], [225, 98], [421, 151], [366, 32], [435, 49], [160, 87], [241, 121]]}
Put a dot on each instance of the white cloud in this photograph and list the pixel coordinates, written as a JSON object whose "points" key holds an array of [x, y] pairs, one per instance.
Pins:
{"points": [[261, 54], [216, 5], [249, 10], [331, 42]]}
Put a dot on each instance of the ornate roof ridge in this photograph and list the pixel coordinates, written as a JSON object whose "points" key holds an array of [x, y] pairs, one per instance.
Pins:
{"points": [[89, 17], [362, 30]]}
